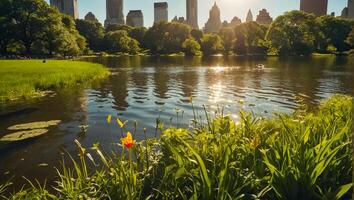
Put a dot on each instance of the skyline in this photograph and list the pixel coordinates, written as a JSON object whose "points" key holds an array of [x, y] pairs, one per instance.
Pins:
{"points": [[229, 8]]}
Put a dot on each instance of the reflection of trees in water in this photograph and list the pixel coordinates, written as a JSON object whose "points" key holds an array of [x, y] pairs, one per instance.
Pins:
{"points": [[139, 84], [238, 82], [119, 84], [189, 81], [301, 76], [161, 81]]}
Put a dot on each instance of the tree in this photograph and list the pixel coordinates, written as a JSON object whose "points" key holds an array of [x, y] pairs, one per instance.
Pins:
{"points": [[118, 27], [164, 37], [294, 33], [38, 28], [30, 19], [335, 32], [138, 34], [249, 38], [119, 41], [350, 39], [191, 47], [197, 34], [51, 41], [227, 36], [74, 42], [7, 26], [92, 31], [211, 44]]}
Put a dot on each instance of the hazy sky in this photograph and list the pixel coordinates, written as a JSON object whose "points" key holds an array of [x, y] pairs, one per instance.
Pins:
{"points": [[229, 8]]}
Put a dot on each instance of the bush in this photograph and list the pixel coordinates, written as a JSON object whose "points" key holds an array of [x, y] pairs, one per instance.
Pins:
{"points": [[298, 156], [191, 47]]}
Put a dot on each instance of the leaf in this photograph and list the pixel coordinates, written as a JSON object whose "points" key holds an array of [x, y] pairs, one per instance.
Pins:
{"points": [[343, 190], [34, 125], [23, 135]]}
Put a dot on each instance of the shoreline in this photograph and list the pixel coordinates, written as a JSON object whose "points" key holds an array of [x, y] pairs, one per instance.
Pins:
{"points": [[32, 79]]}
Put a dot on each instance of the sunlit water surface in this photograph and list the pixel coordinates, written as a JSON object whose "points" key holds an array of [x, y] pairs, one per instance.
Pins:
{"points": [[145, 88]]}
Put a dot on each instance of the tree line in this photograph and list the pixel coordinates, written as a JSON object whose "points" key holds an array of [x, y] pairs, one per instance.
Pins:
{"points": [[32, 27]]}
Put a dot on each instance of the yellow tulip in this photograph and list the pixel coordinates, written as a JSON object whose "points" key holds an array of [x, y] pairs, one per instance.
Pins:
{"points": [[109, 119], [120, 123]]}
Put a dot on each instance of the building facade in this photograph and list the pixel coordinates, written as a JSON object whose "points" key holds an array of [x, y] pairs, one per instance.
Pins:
{"points": [[90, 17], [192, 13], [179, 20], [213, 24], [249, 17], [264, 18], [68, 7], [317, 7], [114, 13], [344, 12], [160, 12], [135, 18], [351, 9]]}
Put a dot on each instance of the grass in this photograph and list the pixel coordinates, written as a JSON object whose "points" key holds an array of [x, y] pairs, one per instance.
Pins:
{"points": [[300, 156], [24, 79]]}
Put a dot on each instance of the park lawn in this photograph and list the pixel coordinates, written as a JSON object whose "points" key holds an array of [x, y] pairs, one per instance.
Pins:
{"points": [[24, 79]]}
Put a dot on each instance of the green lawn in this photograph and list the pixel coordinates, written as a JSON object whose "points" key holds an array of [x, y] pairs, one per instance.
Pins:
{"points": [[23, 79]]}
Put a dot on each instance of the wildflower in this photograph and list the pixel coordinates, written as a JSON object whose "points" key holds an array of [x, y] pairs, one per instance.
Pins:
{"points": [[120, 123], [109, 119], [128, 141]]}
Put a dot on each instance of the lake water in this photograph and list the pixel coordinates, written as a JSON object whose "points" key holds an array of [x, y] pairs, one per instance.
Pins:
{"points": [[146, 88]]}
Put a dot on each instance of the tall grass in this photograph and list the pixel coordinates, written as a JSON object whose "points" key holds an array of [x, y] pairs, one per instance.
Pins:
{"points": [[298, 156], [29, 78]]}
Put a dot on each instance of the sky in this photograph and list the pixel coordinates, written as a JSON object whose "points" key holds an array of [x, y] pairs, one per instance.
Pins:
{"points": [[229, 8]]}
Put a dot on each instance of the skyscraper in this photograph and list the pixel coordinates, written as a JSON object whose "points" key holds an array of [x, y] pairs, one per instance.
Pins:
{"points": [[351, 9], [317, 7], [160, 12], [249, 17], [192, 13], [213, 24], [90, 17], [68, 7], [264, 18], [135, 18], [114, 12]]}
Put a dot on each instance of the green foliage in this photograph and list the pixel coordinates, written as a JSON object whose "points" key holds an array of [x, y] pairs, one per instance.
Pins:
{"points": [[119, 41], [118, 27], [211, 44], [29, 78], [93, 33], [34, 27], [191, 47], [300, 156], [335, 31], [294, 33], [197, 34], [227, 36], [138, 33], [250, 38], [165, 38], [350, 38]]}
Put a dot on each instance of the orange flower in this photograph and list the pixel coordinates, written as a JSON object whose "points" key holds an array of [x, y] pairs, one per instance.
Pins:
{"points": [[128, 141]]}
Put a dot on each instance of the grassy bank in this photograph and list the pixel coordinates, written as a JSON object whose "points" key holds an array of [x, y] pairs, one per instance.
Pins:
{"points": [[299, 156], [31, 78]]}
